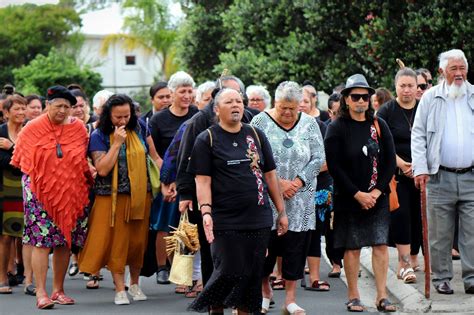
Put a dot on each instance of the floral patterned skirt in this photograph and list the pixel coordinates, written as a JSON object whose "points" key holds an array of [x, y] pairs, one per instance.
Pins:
{"points": [[40, 230]]}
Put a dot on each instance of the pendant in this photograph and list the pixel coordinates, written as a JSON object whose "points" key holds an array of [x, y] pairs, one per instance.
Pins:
{"points": [[288, 143], [234, 144], [59, 152]]}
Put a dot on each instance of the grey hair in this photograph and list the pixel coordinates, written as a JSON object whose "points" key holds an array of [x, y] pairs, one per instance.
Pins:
{"points": [[203, 88], [180, 79], [406, 72], [289, 91], [100, 98], [262, 92], [457, 54], [218, 96], [229, 77]]}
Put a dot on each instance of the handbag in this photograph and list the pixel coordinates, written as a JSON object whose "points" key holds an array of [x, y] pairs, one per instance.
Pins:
{"points": [[393, 203], [184, 242], [154, 175]]}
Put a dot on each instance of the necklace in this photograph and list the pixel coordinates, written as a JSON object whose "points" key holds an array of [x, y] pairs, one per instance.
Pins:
{"points": [[59, 151], [288, 143], [409, 121]]}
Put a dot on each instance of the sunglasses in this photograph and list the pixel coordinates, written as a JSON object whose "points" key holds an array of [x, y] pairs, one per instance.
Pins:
{"points": [[423, 86], [357, 97], [430, 81]]}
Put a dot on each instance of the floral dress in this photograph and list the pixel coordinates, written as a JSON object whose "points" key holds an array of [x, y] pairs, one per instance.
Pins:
{"points": [[40, 230]]}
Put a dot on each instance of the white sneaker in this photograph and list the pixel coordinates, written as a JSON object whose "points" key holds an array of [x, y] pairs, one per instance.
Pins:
{"points": [[136, 293], [121, 298]]}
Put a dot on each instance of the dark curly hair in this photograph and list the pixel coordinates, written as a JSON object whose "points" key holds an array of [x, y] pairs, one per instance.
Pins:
{"points": [[105, 121], [344, 108]]}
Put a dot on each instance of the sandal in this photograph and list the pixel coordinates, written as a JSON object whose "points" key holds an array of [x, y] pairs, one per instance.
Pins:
{"points": [[181, 289], [407, 275], [30, 290], [384, 305], [44, 302], [5, 288], [62, 299], [355, 305], [194, 291], [12, 280], [334, 274], [93, 283], [319, 285], [278, 284], [293, 309]]}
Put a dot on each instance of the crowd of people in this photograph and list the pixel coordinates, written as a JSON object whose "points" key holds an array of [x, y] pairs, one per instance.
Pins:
{"points": [[262, 179]]}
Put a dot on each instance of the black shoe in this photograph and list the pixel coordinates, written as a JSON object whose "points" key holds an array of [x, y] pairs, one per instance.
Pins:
{"points": [[162, 276], [469, 290], [444, 288]]}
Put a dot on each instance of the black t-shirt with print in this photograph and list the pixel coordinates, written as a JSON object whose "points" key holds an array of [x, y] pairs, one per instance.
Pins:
{"points": [[239, 191]]}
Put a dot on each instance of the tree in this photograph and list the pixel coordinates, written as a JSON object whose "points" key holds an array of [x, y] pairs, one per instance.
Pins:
{"points": [[148, 26], [28, 30], [53, 69], [202, 37], [325, 41]]}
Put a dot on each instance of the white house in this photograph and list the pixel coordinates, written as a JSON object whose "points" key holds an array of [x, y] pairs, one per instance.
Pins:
{"points": [[122, 71]]}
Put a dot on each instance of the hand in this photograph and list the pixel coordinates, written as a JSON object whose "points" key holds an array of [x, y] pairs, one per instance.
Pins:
{"points": [[93, 170], [366, 200], [282, 223], [184, 205], [421, 180], [375, 193], [120, 135], [297, 183], [208, 228], [169, 192], [5, 144], [288, 189], [406, 169]]}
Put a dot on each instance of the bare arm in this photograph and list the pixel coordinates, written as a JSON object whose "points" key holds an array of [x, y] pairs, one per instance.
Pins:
{"points": [[204, 197], [105, 161], [275, 194]]}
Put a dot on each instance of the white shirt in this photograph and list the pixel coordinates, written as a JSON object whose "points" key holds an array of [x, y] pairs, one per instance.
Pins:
{"points": [[457, 142]]}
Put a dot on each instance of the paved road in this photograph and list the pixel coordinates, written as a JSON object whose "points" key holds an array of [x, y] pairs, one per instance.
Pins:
{"points": [[162, 300]]}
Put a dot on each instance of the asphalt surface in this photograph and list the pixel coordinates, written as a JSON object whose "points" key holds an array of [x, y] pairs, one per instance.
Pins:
{"points": [[162, 299]]}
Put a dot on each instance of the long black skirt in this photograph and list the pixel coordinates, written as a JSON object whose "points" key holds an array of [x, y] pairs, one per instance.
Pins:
{"points": [[236, 281]]}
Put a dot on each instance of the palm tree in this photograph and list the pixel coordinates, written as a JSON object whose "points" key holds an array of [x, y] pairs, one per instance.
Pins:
{"points": [[149, 27]]}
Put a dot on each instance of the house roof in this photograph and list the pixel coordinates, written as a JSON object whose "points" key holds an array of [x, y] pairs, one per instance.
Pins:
{"points": [[103, 22]]}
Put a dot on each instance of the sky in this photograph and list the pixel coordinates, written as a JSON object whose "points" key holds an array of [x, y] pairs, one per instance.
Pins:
{"points": [[4, 3]]}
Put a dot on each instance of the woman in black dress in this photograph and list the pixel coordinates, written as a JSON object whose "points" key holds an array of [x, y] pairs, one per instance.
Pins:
{"points": [[361, 160], [235, 173], [405, 226]]}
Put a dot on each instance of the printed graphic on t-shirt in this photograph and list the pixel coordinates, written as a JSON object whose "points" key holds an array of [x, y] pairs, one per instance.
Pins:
{"points": [[252, 154]]}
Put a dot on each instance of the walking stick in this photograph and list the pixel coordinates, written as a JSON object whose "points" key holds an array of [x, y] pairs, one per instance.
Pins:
{"points": [[426, 249]]}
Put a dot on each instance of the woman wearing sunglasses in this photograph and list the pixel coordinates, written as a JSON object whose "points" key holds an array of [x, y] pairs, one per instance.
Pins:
{"points": [[422, 84], [360, 155]]}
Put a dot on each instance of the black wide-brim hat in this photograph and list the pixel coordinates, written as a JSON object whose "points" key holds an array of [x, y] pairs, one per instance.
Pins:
{"points": [[357, 81], [59, 91]]}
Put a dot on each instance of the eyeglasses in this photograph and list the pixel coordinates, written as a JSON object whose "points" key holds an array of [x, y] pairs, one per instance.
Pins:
{"points": [[357, 97], [430, 81], [256, 100], [423, 86]]}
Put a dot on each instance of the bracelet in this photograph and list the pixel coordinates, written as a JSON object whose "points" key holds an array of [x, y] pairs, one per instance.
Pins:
{"points": [[205, 205], [206, 213]]}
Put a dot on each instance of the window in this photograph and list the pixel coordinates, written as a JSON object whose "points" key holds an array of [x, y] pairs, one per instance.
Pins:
{"points": [[130, 60]]}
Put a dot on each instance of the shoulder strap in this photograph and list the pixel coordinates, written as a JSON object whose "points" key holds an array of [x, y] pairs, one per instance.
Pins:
{"points": [[256, 135], [210, 135], [377, 126]]}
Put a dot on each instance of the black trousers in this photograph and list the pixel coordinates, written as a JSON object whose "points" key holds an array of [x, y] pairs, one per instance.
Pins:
{"points": [[405, 225]]}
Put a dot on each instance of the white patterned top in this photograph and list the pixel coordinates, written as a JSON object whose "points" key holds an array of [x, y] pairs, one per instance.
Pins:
{"points": [[302, 159]]}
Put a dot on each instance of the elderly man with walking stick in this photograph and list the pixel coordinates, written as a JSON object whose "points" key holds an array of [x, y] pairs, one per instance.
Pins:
{"points": [[443, 161]]}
